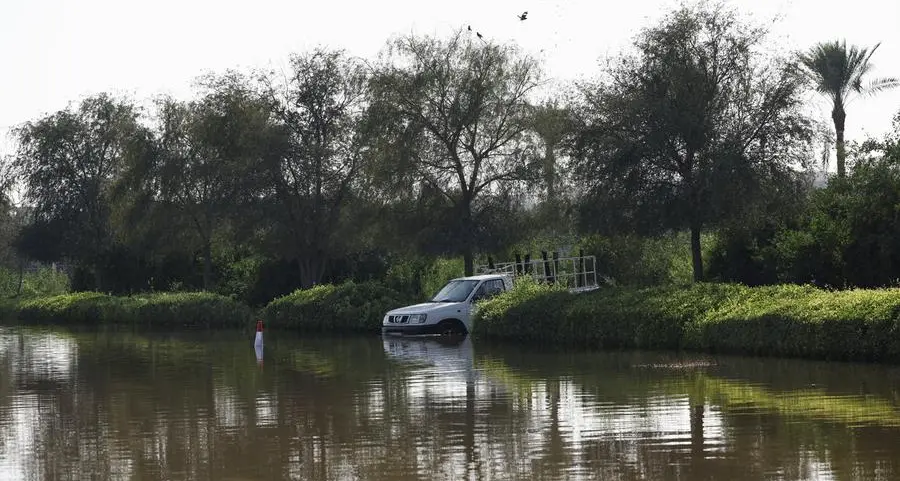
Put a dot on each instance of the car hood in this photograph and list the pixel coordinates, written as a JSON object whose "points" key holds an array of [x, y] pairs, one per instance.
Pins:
{"points": [[423, 308]]}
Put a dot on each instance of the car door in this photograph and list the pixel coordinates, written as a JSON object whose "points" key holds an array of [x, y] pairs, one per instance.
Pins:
{"points": [[469, 308], [486, 290]]}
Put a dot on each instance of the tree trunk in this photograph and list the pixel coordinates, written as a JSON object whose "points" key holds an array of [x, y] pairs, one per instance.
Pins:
{"points": [[696, 253], [697, 435], [550, 174], [97, 266], [21, 276], [695, 214], [207, 265], [311, 270], [469, 261], [467, 236], [839, 116]]}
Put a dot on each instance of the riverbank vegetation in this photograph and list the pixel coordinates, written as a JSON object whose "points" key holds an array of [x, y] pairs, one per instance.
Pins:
{"points": [[342, 308], [171, 310], [347, 186], [787, 320]]}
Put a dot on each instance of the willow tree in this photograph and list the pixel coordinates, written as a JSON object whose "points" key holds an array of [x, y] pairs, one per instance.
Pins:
{"points": [[677, 132], [208, 151], [321, 108], [838, 72], [460, 111], [68, 162]]}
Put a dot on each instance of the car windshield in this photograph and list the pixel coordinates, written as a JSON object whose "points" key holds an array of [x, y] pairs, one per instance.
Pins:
{"points": [[455, 291]]}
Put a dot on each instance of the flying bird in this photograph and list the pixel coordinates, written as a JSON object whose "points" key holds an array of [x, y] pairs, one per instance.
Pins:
{"points": [[524, 15]]}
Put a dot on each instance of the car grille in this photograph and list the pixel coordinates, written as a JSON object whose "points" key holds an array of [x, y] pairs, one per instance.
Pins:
{"points": [[399, 319]]}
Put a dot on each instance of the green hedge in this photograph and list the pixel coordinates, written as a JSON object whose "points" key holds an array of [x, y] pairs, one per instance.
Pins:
{"points": [[787, 320], [184, 309], [347, 307]]}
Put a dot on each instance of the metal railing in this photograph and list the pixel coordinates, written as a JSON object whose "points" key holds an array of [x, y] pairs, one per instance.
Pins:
{"points": [[574, 273]]}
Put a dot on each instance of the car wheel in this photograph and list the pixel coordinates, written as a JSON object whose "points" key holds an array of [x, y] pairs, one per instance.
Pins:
{"points": [[451, 328]]}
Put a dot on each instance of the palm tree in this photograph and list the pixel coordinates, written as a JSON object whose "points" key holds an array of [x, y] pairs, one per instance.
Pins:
{"points": [[552, 123], [837, 73]]}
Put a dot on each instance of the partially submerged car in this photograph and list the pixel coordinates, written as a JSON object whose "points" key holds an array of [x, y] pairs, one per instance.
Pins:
{"points": [[450, 311]]}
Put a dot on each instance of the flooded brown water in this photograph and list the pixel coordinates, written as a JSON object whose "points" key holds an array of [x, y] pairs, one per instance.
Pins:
{"points": [[204, 406]]}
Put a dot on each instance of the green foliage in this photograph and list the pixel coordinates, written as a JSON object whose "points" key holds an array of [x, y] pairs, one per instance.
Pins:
{"points": [[320, 107], [238, 277], [186, 309], [846, 235], [842, 235], [405, 276], [347, 307], [524, 311], [68, 162], [645, 261], [420, 278], [666, 141], [451, 106], [202, 309], [44, 281], [801, 321], [337, 171], [439, 272]]}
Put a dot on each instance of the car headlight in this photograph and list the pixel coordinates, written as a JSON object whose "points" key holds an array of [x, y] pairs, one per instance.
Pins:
{"points": [[417, 318]]}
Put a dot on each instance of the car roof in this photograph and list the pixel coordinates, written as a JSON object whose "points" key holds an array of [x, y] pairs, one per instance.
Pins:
{"points": [[480, 277]]}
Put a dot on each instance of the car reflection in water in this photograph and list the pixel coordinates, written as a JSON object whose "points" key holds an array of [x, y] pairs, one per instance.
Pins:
{"points": [[448, 352], [447, 362], [443, 387]]}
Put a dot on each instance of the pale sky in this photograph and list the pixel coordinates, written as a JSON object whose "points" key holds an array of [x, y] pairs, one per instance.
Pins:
{"points": [[57, 51]]}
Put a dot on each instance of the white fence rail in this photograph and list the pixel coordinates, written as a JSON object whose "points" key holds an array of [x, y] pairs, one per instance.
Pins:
{"points": [[575, 273]]}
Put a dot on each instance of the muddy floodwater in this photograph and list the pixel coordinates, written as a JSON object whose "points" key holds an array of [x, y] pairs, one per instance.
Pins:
{"points": [[91, 405]]}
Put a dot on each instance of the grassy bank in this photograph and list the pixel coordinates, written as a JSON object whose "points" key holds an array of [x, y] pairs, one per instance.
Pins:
{"points": [[185, 309], [343, 308], [791, 321], [347, 307]]}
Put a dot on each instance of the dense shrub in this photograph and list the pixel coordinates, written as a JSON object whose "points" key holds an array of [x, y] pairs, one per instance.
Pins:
{"points": [[743, 255], [187, 309], [238, 276], [645, 261], [347, 307], [191, 309], [405, 276], [845, 235], [796, 321]]}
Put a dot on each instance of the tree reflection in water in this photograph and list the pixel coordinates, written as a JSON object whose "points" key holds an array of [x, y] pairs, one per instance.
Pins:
{"points": [[201, 406]]}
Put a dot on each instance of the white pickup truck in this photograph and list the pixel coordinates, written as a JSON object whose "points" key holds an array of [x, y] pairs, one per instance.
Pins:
{"points": [[450, 311]]}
